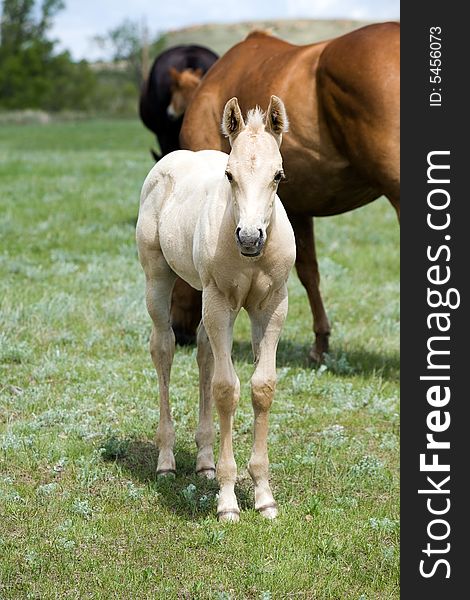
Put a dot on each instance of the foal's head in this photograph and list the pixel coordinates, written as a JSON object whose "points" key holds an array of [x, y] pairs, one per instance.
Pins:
{"points": [[254, 169], [183, 86]]}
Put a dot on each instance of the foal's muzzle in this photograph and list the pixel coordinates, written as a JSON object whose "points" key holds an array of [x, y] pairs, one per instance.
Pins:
{"points": [[250, 240]]}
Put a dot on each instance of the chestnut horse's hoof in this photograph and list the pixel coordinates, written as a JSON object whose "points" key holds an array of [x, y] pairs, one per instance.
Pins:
{"points": [[319, 348], [315, 356]]}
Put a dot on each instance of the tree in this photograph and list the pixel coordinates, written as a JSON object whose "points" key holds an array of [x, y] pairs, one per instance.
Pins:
{"points": [[32, 75], [127, 44], [123, 45], [119, 80], [19, 27]]}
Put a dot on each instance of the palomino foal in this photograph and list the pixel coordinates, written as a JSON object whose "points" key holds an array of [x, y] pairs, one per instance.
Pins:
{"points": [[217, 222]]}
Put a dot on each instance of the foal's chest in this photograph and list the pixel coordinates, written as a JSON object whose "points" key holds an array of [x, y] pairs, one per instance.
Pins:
{"points": [[247, 287]]}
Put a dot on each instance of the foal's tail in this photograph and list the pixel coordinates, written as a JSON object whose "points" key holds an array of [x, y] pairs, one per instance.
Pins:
{"points": [[149, 184]]}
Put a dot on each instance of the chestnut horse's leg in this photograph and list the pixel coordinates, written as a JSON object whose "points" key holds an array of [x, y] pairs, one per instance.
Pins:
{"points": [[185, 312], [266, 325], [218, 318], [307, 269], [395, 202], [205, 432]]}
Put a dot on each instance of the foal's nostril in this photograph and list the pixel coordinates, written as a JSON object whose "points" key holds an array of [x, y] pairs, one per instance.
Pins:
{"points": [[250, 238]]}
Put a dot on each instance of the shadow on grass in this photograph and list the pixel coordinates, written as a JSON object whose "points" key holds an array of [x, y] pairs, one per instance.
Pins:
{"points": [[185, 494], [341, 361]]}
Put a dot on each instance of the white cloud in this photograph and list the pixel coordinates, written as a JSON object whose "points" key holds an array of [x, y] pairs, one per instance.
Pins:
{"points": [[350, 9], [83, 19]]}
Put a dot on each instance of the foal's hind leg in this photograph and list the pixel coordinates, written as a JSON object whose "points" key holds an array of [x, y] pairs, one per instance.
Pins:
{"points": [[205, 432], [266, 326], [160, 280]]}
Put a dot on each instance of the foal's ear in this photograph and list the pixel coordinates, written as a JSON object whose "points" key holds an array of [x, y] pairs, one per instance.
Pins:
{"points": [[277, 122], [232, 120]]}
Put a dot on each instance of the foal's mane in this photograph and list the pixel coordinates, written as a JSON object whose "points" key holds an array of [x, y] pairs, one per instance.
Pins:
{"points": [[255, 120]]}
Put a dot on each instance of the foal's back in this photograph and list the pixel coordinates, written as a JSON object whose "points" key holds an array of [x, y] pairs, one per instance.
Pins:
{"points": [[172, 200]]}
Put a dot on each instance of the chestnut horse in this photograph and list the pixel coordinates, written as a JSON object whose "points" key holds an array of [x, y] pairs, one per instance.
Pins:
{"points": [[342, 150]]}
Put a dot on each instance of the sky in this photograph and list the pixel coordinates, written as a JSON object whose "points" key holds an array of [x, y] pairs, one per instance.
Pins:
{"points": [[81, 20]]}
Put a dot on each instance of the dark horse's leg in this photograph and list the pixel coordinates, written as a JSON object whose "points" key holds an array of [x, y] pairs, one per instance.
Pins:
{"points": [[156, 157], [307, 270], [167, 136], [186, 306]]}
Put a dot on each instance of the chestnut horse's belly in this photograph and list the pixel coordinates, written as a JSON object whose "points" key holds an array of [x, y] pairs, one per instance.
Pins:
{"points": [[321, 187]]}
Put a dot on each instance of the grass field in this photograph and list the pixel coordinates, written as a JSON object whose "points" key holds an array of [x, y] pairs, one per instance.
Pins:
{"points": [[82, 514]]}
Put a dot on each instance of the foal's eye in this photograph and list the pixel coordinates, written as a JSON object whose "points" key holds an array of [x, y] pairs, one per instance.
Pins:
{"points": [[229, 175], [279, 176]]}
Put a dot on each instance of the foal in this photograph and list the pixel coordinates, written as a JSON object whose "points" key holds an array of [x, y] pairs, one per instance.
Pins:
{"points": [[217, 222]]}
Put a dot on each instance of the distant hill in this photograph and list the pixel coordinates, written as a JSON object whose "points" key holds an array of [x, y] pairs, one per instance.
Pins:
{"points": [[221, 37]]}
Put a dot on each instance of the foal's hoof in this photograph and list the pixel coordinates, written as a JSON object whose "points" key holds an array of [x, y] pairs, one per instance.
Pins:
{"points": [[232, 516], [269, 511], [166, 472], [208, 473]]}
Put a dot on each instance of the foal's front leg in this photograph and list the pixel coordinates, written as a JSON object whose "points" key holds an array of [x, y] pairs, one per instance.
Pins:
{"points": [[266, 326], [218, 318]]}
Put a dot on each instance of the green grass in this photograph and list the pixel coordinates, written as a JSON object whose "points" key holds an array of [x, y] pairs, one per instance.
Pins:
{"points": [[82, 513]]}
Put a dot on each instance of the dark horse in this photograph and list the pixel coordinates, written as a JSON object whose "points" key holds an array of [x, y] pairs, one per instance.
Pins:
{"points": [[174, 75], [156, 92], [342, 149]]}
